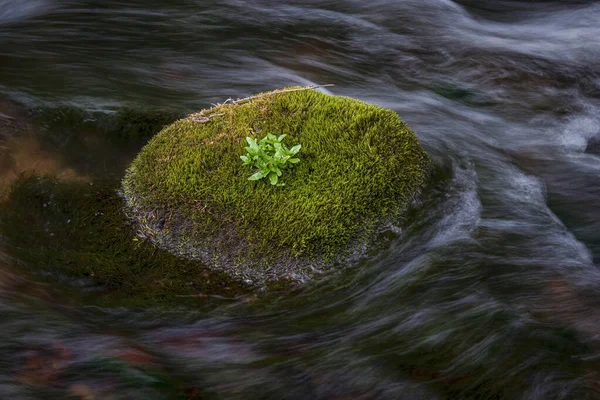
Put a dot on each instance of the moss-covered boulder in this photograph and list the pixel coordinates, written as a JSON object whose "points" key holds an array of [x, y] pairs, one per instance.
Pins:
{"points": [[360, 169]]}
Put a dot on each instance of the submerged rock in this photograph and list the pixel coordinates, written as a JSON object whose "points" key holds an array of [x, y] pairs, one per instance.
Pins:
{"points": [[75, 237], [593, 146], [360, 168]]}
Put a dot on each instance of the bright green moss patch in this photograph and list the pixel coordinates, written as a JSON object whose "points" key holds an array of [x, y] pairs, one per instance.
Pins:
{"points": [[361, 167]]}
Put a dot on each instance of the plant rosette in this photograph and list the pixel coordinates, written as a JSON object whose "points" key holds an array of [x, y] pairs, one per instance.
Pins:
{"points": [[270, 156]]}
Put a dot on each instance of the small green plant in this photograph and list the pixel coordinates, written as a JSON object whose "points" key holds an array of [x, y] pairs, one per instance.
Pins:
{"points": [[270, 156]]}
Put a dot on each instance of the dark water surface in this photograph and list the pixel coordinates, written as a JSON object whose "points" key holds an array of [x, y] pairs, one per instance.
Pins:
{"points": [[492, 290]]}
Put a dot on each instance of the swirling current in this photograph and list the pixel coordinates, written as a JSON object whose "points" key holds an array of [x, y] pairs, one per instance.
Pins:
{"points": [[491, 291]]}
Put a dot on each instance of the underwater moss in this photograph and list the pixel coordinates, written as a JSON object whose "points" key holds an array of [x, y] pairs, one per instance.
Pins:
{"points": [[63, 124], [76, 233], [360, 168]]}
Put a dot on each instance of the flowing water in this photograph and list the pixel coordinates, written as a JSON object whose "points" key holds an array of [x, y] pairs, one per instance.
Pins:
{"points": [[491, 291]]}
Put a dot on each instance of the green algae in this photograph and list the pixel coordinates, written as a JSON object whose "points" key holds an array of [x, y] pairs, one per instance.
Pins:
{"points": [[361, 165]]}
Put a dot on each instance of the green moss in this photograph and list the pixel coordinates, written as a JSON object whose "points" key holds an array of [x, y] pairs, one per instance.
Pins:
{"points": [[361, 165]]}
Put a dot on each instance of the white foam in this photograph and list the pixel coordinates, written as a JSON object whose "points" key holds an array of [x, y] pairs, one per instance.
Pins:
{"points": [[578, 131], [463, 214]]}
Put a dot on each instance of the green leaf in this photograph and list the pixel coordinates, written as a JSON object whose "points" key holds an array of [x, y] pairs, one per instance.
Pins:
{"points": [[256, 176], [294, 160], [295, 149], [281, 137], [253, 144], [273, 178]]}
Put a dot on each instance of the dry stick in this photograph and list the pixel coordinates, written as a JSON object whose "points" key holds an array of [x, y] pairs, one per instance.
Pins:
{"points": [[204, 120], [279, 91]]}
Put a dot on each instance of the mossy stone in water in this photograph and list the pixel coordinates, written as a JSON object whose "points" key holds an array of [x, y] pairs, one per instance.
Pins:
{"points": [[360, 168]]}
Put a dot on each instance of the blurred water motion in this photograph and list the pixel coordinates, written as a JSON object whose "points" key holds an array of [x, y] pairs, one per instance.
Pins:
{"points": [[491, 291]]}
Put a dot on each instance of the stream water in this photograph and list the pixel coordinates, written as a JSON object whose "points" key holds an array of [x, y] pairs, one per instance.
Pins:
{"points": [[491, 291]]}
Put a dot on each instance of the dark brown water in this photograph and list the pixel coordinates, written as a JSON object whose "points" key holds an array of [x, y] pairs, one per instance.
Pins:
{"points": [[492, 291]]}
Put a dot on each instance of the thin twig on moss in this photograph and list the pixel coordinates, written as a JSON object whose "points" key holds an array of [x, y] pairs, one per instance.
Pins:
{"points": [[245, 99], [201, 119]]}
